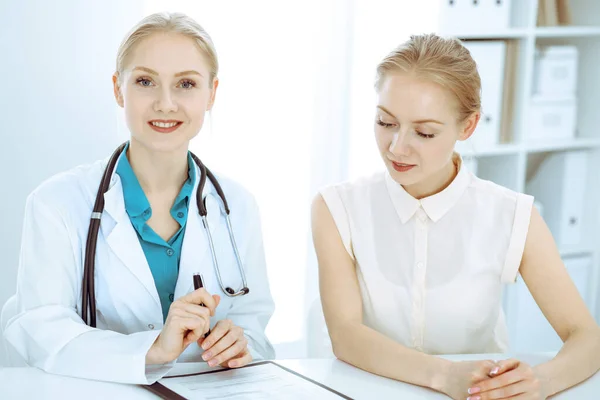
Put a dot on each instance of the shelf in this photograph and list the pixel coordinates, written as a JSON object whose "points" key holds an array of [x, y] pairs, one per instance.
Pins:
{"points": [[551, 145], [558, 145], [567, 31], [506, 34], [498, 150], [575, 251]]}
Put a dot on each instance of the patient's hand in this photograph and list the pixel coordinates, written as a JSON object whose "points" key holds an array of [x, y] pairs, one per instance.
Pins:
{"points": [[514, 380], [463, 375]]}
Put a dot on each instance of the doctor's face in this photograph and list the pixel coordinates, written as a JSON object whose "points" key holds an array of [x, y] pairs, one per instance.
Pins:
{"points": [[165, 91], [416, 128]]}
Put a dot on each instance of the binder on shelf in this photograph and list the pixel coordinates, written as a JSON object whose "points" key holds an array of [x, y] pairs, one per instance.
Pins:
{"points": [[559, 184], [490, 57], [456, 16], [565, 17], [508, 94], [547, 13]]}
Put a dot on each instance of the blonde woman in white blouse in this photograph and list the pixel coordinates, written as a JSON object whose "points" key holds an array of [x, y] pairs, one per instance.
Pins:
{"points": [[412, 261]]}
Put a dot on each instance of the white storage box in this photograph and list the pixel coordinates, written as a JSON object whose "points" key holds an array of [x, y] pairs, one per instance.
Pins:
{"points": [[560, 185], [552, 118], [555, 71], [469, 17]]}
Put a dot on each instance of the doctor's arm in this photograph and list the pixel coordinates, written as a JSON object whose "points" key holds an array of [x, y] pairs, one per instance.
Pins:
{"points": [[555, 293], [249, 315], [48, 331]]}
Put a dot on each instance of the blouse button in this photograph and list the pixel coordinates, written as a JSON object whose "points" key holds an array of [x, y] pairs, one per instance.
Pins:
{"points": [[170, 252], [150, 326], [419, 265]]}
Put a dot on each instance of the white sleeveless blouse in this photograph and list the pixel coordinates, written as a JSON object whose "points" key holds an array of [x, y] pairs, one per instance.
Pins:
{"points": [[431, 271]]}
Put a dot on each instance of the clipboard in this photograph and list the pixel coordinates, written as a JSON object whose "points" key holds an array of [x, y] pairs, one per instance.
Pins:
{"points": [[167, 394]]}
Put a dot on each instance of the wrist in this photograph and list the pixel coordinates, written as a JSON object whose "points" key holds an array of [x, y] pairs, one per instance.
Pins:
{"points": [[155, 354], [439, 374], [541, 373]]}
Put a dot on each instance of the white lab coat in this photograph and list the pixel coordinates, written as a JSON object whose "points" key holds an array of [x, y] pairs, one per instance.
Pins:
{"points": [[48, 330]]}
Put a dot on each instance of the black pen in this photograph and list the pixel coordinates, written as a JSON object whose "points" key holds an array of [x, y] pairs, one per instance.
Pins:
{"points": [[198, 283]]}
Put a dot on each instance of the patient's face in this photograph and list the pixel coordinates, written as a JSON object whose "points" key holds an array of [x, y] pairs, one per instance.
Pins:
{"points": [[416, 127]]}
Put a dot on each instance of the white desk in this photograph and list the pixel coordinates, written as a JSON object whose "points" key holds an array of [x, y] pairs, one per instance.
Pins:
{"points": [[31, 383]]}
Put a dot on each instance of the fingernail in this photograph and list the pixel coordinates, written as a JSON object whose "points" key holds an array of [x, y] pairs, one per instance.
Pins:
{"points": [[206, 356], [205, 345], [474, 398], [495, 371], [212, 363], [474, 390], [233, 364]]}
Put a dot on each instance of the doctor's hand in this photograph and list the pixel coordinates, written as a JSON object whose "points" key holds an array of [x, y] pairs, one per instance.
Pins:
{"points": [[514, 380], [226, 346], [461, 376], [186, 322]]}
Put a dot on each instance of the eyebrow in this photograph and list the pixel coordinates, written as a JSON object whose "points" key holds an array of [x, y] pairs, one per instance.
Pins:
{"points": [[420, 121], [153, 72]]}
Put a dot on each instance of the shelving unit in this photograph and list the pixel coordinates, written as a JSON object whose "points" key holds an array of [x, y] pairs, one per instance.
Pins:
{"points": [[566, 31], [512, 162]]}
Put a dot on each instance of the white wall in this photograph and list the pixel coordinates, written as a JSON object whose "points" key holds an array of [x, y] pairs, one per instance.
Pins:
{"points": [[56, 102]]}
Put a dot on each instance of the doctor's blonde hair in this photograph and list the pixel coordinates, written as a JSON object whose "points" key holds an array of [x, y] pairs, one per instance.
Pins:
{"points": [[166, 22], [444, 61]]}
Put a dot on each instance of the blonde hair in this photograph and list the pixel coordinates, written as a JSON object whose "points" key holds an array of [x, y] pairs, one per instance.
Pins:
{"points": [[444, 61], [166, 22]]}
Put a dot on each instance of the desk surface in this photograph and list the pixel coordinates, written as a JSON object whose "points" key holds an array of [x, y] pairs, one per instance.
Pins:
{"points": [[31, 383]]}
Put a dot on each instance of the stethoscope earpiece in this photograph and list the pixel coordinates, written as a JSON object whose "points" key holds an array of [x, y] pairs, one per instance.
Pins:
{"points": [[229, 290]]}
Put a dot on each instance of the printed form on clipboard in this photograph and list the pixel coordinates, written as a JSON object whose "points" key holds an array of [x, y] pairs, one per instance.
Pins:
{"points": [[264, 380]]}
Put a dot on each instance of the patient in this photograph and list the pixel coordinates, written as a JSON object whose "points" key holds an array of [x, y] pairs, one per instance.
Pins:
{"points": [[412, 261]]}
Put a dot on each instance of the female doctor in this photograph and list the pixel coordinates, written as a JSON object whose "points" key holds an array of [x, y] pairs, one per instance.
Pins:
{"points": [[151, 239]]}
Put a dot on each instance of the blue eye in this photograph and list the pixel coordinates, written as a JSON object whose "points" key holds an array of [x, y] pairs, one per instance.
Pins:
{"points": [[187, 84], [145, 82]]}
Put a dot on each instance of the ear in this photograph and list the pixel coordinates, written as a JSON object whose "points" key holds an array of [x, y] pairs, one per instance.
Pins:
{"points": [[117, 89], [213, 94], [469, 125]]}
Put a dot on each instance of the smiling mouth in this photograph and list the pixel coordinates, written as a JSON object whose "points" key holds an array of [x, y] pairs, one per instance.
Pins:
{"points": [[400, 167], [163, 126]]}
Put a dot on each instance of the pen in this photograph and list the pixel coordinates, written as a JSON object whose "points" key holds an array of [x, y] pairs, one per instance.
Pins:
{"points": [[198, 283]]}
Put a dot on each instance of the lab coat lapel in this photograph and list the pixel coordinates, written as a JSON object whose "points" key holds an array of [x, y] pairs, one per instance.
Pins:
{"points": [[122, 239], [195, 251]]}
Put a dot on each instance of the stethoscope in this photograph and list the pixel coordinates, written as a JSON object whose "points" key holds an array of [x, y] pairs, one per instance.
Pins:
{"points": [[87, 291]]}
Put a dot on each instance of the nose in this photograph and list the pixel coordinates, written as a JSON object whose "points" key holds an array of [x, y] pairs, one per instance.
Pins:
{"points": [[165, 102], [400, 145]]}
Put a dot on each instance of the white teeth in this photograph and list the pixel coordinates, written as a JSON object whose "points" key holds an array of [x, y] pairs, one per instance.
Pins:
{"points": [[164, 124]]}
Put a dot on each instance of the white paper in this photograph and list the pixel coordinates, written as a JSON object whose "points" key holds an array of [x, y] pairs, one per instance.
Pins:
{"points": [[263, 382]]}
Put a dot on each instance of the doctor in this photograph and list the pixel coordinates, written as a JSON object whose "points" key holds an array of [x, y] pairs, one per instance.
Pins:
{"points": [[151, 239]]}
